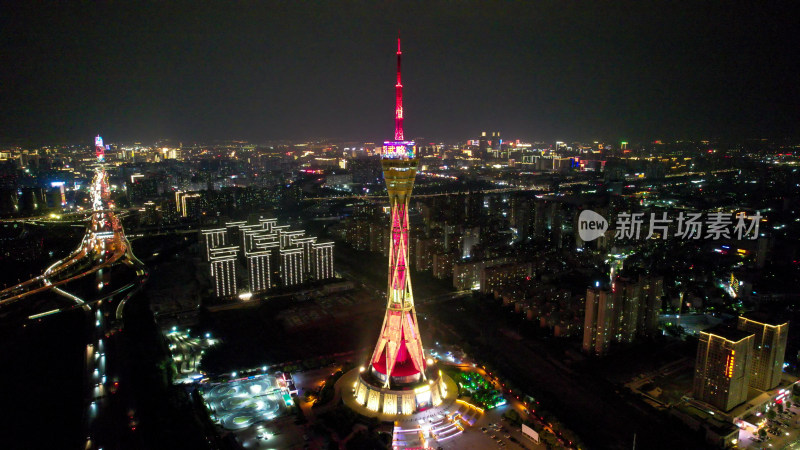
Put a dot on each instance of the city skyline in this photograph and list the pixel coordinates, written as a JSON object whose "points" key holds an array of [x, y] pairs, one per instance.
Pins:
{"points": [[266, 71], [210, 275]]}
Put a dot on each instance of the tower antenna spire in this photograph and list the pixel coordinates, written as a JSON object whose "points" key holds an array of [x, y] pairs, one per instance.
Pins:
{"points": [[398, 91]]}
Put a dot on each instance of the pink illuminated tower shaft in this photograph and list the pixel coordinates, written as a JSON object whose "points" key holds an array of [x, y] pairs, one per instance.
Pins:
{"points": [[398, 94], [398, 357]]}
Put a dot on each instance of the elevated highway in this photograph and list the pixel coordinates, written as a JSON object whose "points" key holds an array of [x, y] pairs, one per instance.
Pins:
{"points": [[103, 246]]}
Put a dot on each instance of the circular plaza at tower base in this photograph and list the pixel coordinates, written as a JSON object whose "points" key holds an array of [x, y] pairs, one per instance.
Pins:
{"points": [[366, 394]]}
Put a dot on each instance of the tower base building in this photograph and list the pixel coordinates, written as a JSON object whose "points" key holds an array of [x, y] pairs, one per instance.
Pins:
{"points": [[369, 392]]}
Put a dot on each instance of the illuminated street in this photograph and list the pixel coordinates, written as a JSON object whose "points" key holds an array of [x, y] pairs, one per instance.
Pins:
{"points": [[103, 246]]}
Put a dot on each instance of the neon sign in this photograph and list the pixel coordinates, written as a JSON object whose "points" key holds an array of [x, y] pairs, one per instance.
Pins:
{"points": [[729, 364], [398, 149]]}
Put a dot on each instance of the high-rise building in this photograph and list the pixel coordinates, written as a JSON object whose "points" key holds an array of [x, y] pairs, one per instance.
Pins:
{"points": [[217, 237], [496, 277], [233, 231], [258, 270], [178, 195], [246, 233], [278, 229], [442, 265], [190, 205], [285, 236], [143, 188], [630, 310], [769, 349], [292, 265], [359, 234], [399, 380], [472, 237], [377, 237], [9, 202], [267, 224], [423, 254], [32, 199], [263, 242], [497, 144], [628, 299], [598, 324], [483, 146], [223, 270], [540, 218], [272, 254], [722, 367], [323, 260], [307, 244], [652, 290]]}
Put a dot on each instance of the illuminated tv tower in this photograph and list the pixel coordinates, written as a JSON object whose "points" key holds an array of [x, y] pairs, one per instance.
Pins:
{"points": [[99, 150], [399, 380], [398, 356]]}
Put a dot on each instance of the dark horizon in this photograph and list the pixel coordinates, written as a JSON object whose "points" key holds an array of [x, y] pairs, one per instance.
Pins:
{"points": [[290, 72]]}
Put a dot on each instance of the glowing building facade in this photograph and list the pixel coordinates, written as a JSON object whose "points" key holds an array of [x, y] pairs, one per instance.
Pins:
{"points": [[223, 270], [273, 255], [307, 244], [292, 265], [323, 260], [258, 270], [768, 352], [188, 203], [723, 366], [214, 238]]}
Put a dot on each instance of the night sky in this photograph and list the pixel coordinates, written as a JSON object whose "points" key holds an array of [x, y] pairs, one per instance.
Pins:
{"points": [[290, 70]]}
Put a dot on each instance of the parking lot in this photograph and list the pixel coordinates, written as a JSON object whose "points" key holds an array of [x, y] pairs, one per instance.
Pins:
{"points": [[782, 433]]}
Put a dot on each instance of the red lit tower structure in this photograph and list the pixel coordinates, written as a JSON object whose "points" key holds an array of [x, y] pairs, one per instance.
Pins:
{"points": [[399, 379], [399, 355]]}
